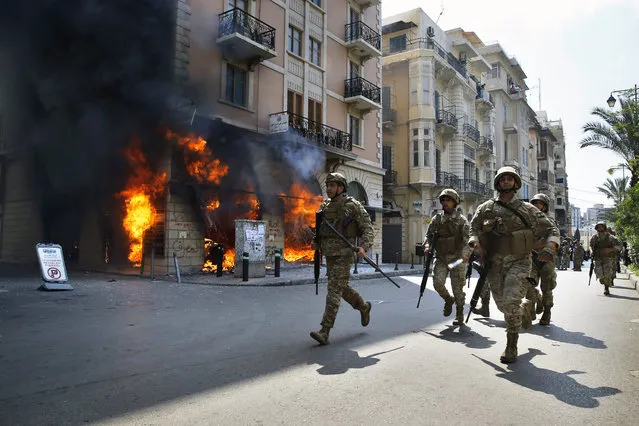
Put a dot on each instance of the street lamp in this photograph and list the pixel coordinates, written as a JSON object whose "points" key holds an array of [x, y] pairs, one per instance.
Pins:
{"points": [[611, 100]]}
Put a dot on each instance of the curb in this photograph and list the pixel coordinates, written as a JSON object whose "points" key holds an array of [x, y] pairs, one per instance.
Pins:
{"points": [[634, 280]]}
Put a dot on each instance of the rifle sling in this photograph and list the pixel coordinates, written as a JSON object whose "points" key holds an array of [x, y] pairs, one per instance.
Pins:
{"points": [[516, 212]]}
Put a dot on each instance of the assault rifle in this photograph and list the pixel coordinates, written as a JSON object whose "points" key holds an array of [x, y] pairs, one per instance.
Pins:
{"points": [[592, 268], [429, 262], [483, 272], [354, 248], [469, 268], [317, 256]]}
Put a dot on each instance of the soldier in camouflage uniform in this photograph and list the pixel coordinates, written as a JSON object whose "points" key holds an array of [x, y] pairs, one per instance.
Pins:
{"points": [[564, 263], [543, 270], [578, 256], [350, 218], [605, 248], [449, 233], [502, 233]]}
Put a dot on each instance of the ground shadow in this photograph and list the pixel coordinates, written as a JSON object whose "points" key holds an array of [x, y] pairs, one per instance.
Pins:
{"points": [[558, 334], [465, 335], [491, 322], [616, 296], [561, 385], [339, 359]]}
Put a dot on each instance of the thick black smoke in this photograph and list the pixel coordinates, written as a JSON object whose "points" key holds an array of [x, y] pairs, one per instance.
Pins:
{"points": [[86, 75]]}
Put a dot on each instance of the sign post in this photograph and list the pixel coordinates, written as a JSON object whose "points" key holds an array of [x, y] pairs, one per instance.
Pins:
{"points": [[54, 271]]}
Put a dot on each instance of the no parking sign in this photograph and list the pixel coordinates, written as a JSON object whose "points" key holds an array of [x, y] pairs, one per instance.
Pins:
{"points": [[52, 266]]}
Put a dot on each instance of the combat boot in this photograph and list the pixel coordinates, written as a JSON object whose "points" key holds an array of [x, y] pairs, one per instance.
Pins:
{"points": [[606, 291], [510, 354], [366, 313], [484, 311], [449, 301], [526, 309], [459, 318], [545, 318], [540, 306], [321, 336]]}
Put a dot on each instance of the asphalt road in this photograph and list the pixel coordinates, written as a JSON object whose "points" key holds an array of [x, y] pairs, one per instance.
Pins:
{"points": [[134, 352]]}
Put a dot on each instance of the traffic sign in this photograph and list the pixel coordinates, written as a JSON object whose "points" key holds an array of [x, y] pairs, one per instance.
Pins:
{"points": [[54, 271]]}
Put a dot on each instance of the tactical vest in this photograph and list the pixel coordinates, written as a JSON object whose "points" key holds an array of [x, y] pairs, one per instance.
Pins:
{"points": [[340, 214], [509, 236], [449, 236], [603, 242]]}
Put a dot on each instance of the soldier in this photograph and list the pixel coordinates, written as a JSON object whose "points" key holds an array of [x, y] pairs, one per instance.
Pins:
{"points": [[449, 233], [578, 256], [605, 248], [350, 218], [564, 263], [502, 232], [543, 270]]}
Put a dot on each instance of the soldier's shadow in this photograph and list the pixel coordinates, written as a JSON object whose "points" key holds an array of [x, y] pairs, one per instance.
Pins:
{"points": [[617, 296], [561, 385], [490, 322], [558, 334], [340, 359], [469, 338]]}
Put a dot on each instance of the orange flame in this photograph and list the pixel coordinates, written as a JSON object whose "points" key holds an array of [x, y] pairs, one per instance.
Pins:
{"points": [[201, 167], [299, 219], [143, 186], [251, 201], [227, 263]]}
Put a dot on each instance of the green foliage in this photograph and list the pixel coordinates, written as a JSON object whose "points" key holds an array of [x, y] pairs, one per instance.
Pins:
{"points": [[615, 190], [627, 219]]}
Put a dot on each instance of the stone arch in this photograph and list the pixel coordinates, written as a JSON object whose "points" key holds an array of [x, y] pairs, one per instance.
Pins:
{"points": [[357, 191]]}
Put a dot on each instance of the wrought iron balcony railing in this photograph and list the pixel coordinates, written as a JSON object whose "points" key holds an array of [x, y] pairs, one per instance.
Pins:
{"points": [[448, 180], [238, 21], [446, 117], [390, 177], [486, 143], [357, 30], [471, 132], [389, 115], [359, 86], [430, 44], [319, 133], [473, 186]]}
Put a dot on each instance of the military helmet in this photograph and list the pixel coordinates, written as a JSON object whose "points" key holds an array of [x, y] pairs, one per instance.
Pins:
{"points": [[450, 193], [542, 198], [337, 177], [601, 223], [507, 170]]}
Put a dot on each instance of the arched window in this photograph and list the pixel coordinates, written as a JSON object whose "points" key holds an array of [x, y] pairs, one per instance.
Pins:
{"points": [[357, 191]]}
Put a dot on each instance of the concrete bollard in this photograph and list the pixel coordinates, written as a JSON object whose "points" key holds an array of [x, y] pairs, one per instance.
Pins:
{"points": [[397, 261], [245, 266], [277, 263]]}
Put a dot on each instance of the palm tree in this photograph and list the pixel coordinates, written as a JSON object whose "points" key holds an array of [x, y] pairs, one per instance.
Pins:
{"points": [[619, 132], [615, 190]]}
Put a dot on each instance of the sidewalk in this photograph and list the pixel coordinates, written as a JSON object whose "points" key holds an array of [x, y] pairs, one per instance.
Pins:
{"points": [[296, 275]]}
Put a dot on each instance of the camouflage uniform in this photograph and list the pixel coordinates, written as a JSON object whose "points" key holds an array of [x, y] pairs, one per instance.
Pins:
{"points": [[605, 265], [565, 256], [350, 218], [450, 235], [507, 238], [578, 257]]}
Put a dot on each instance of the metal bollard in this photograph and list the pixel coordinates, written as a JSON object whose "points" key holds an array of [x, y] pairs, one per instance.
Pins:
{"points": [[277, 263], [177, 267], [245, 266], [152, 262], [220, 261], [412, 266], [397, 261], [377, 259]]}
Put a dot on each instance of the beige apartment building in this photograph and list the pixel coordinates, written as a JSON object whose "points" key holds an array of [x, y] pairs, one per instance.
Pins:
{"points": [[438, 122], [307, 71]]}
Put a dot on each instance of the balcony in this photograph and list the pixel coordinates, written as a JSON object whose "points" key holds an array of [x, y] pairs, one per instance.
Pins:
{"points": [[446, 121], [361, 94], [471, 132], [484, 100], [486, 146], [475, 189], [448, 180], [243, 37], [390, 177], [444, 59], [510, 127], [333, 140], [363, 41], [389, 119], [366, 3]]}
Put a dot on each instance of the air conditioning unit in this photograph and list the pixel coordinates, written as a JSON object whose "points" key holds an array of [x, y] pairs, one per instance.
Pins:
{"points": [[430, 32]]}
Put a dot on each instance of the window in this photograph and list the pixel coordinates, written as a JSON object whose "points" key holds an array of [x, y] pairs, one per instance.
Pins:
{"points": [[559, 201], [295, 103], [415, 153], [387, 157], [415, 132], [240, 4], [314, 51], [397, 43], [469, 169], [505, 113], [315, 111], [426, 153], [495, 71], [355, 130], [426, 89], [295, 41], [559, 180], [426, 131], [236, 82], [317, 3], [353, 69]]}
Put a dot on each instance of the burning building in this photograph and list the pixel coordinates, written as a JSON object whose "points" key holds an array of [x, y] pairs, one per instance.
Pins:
{"points": [[130, 129]]}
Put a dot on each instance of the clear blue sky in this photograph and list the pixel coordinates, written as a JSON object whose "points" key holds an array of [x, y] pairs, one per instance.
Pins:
{"points": [[580, 50]]}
